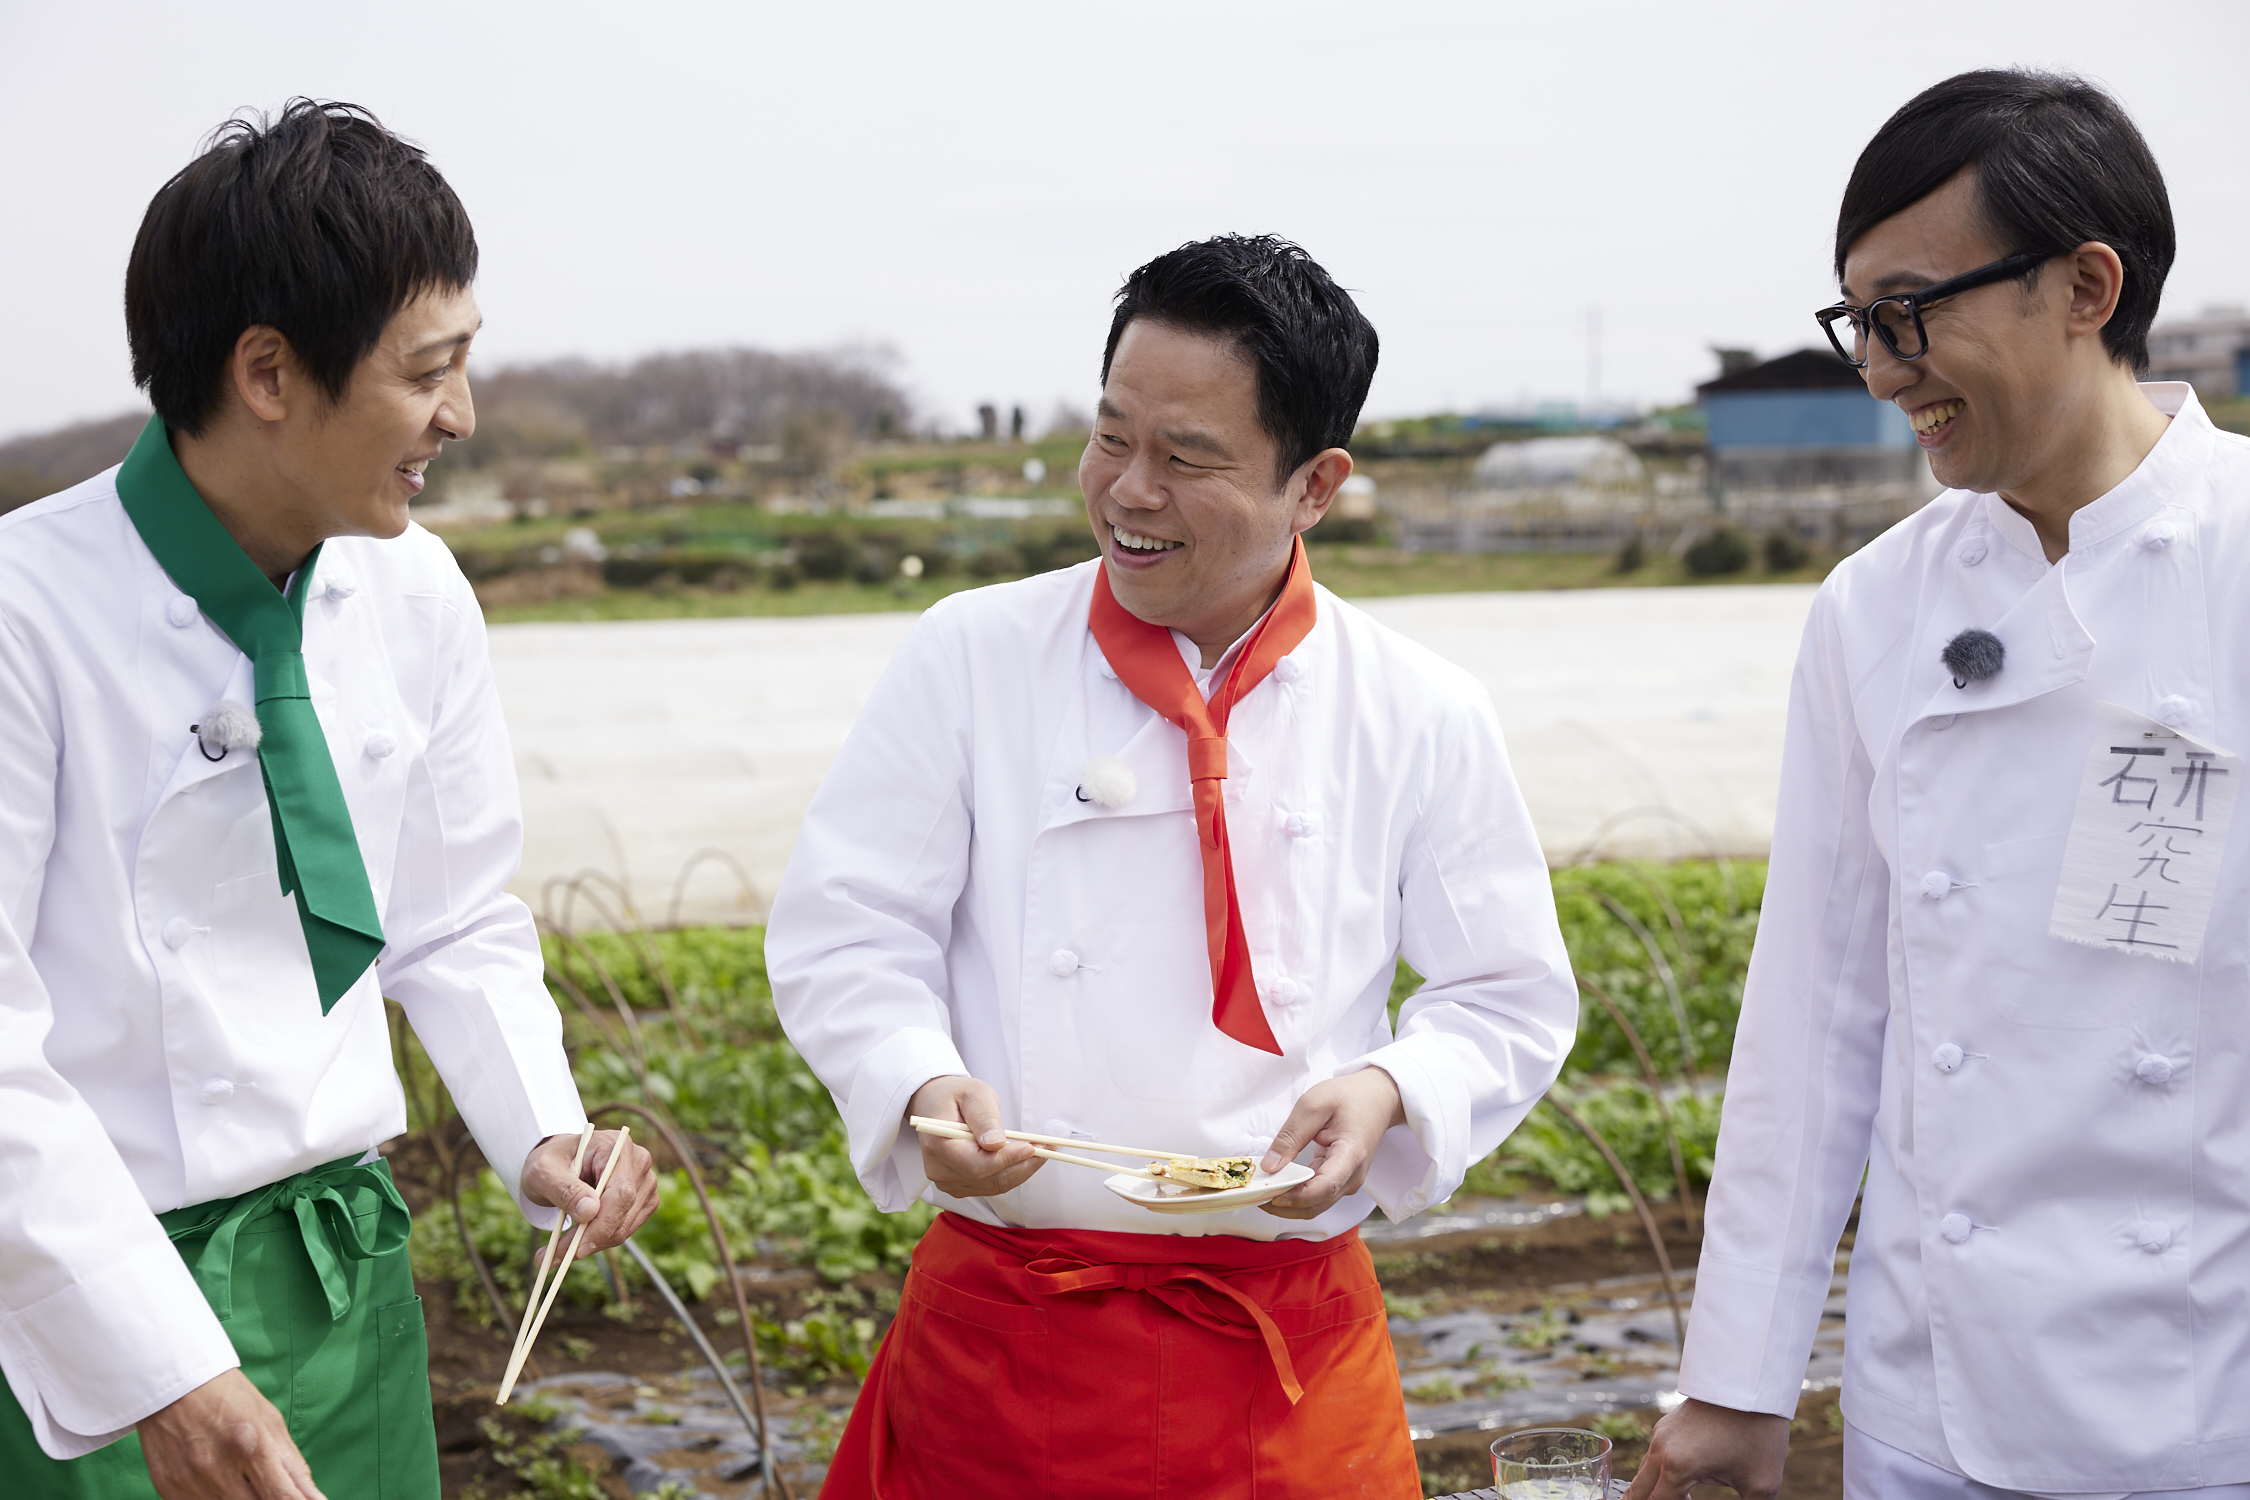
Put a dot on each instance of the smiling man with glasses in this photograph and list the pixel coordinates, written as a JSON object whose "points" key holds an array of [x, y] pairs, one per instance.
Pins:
{"points": [[2002, 968]]}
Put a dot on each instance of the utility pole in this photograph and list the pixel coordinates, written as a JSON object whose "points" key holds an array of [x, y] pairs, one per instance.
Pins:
{"points": [[1593, 359]]}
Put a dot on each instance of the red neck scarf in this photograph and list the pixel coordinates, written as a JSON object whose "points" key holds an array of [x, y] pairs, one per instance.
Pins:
{"points": [[1149, 663]]}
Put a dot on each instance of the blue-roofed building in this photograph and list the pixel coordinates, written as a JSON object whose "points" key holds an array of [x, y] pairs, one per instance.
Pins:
{"points": [[1805, 421]]}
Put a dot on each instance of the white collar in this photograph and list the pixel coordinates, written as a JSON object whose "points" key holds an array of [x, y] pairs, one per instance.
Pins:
{"points": [[1192, 654], [2154, 483]]}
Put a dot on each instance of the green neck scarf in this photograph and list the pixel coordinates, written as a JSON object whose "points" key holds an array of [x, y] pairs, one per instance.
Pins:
{"points": [[314, 844]]}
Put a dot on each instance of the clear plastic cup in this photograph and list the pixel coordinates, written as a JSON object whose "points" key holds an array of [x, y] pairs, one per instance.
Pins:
{"points": [[1552, 1463]]}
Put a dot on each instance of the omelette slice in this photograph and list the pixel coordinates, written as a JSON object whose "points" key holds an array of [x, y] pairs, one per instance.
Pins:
{"points": [[1206, 1171]]}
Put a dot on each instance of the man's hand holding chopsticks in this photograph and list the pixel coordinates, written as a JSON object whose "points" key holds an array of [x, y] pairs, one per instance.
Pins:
{"points": [[621, 1208], [980, 1168], [1342, 1119]]}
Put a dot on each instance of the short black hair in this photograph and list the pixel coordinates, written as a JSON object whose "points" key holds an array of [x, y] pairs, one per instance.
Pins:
{"points": [[321, 224], [2058, 161], [1313, 348]]}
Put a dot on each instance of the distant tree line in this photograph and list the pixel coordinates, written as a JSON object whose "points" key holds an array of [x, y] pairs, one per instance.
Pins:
{"points": [[719, 399], [44, 462], [807, 407]]}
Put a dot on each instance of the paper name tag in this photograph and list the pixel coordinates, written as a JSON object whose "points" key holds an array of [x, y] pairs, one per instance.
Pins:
{"points": [[2146, 840]]}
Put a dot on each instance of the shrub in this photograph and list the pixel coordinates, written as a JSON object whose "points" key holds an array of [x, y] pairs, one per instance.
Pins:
{"points": [[1633, 555], [1784, 553], [826, 556], [1346, 530], [1718, 552]]}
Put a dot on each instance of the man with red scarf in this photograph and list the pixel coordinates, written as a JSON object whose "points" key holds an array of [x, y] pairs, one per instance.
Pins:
{"points": [[1129, 852]]}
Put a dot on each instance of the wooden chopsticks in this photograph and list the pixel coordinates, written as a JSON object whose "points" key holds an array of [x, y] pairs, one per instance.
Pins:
{"points": [[955, 1130], [532, 1322]]}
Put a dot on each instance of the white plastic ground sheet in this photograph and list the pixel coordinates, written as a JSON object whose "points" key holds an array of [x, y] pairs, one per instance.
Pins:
{"points": [[1643, 722]]}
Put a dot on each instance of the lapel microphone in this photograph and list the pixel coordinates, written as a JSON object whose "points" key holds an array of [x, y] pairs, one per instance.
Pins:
{"points": [[1973, 655]]}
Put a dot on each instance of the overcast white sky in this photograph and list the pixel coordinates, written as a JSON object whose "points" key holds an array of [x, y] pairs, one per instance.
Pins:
{"points": [[967, 183]]}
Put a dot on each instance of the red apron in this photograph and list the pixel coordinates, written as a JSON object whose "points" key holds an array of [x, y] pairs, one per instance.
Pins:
{"points": [[1085, 1365]]}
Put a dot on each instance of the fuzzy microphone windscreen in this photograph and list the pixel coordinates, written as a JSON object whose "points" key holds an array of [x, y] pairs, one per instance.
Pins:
{"points": [[229, 726], [1973, 655], [1107, 782]]}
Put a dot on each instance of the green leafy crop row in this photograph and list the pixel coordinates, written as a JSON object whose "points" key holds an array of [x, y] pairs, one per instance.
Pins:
{"points": [[1667, 944]]}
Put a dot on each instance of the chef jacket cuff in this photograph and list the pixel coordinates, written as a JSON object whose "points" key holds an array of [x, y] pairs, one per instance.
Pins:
{"points": [[111, 1348], [508, 1123], [875, 1111], [1422, 1164], [1749, 1335]]}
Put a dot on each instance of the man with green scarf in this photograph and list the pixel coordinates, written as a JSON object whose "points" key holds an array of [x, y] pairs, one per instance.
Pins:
{"points": [[204, 1285]]}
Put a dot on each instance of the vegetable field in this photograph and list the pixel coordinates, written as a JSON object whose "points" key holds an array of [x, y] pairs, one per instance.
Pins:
{"points": [[762, 1221]]}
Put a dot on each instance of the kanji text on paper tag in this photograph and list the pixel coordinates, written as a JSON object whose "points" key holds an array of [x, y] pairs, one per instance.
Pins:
{"points": [[2142, 863]]}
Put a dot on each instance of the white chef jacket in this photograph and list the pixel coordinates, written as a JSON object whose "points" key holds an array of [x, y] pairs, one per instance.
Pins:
{"points": [[2050, 1287], [954, 905], [161, 1038]]}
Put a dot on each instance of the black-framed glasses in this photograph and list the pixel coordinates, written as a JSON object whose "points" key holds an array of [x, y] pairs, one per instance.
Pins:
{"points": [[1897, 320]]}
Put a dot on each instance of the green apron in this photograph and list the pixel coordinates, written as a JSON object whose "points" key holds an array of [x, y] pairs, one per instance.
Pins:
{"points": [[310, 1278]]}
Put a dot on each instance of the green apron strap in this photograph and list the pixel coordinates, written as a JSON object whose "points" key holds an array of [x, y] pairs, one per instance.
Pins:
{"points": [[324, 1217]]}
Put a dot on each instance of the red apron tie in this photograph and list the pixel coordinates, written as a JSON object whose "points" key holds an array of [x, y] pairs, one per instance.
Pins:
{"points": [[1056, 1274]]}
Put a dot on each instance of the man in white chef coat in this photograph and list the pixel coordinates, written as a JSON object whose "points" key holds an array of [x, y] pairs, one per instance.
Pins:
{"points": [[2002, 961], [1128, 852], [253, 778]]}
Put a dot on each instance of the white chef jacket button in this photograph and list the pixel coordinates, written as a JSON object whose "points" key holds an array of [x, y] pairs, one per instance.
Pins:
{"points": [[1947, 1057], [1287, 669], [1972, 552], [2153, 1237], [1286, 992], [2173, 709], [176, 932], [1942, 721], [1062, 963], [341, 588], [1937, 885], [1300, 826], [2153, 1067], [1101, 664], [380, 745], [1956, 1228], [2159, 536], [181, 611], [216, 1090]]}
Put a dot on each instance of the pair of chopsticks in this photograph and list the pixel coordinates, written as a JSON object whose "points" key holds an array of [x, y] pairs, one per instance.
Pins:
{"points": [[955, 1130], [535, 1310]]}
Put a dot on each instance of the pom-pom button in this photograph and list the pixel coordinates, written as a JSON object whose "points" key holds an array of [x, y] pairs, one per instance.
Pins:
{"points": [[1062, 963], [380, 745], [2173, 710], [177, 932], [1947, 1057], [2153, 1068], [2153, 1237], [1972, 553], [1937, 885], [215, 1090], [341, 588], [1942, 722], [2160, 536], [1299, 826], [181, 611], [1288, 669], [1956, 1228]]}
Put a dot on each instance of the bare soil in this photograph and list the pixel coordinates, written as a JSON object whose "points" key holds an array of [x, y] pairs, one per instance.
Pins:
{"points": [[1523, 1267]]}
